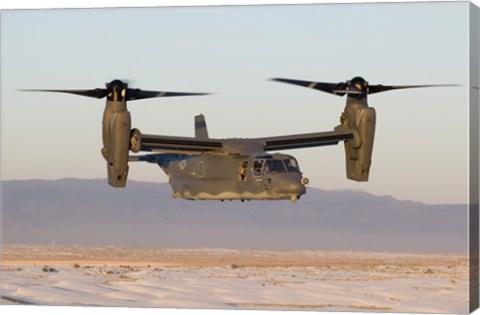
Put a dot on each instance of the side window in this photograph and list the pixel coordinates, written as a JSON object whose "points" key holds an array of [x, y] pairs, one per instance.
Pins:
{"points": [[257, 167]]}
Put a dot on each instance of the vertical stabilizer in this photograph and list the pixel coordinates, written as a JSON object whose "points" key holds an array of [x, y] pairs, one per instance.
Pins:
{"points": [[200, 127]]}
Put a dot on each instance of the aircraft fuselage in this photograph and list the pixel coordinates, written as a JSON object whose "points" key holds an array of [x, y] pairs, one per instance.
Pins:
{"points": [[225, 177]]}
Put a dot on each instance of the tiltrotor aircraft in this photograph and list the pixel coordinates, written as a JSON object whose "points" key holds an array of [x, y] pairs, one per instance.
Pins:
{"points": [[234, 169]]}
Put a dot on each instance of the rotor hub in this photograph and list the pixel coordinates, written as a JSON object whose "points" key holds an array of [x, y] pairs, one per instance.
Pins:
{"points": [[359, 85], [117, 90]]}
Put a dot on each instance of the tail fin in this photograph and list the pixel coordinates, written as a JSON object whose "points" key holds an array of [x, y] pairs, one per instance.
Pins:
{"points": [[201, 127]]}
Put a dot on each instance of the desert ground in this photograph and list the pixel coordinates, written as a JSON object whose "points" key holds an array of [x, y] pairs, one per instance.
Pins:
{"points": [[234, 279]]}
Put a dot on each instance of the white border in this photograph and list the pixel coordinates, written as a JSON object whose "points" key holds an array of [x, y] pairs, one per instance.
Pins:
{"points": [[44, 4]]}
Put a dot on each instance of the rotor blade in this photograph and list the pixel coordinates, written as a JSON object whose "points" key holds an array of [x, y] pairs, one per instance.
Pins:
{"points": [[338, 92], [382, 88], [97, 93], [339, 89], [137, 94]]}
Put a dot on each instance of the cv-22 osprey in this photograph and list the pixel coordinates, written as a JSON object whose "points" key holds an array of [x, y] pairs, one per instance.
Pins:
{"points": [[204, 168]]}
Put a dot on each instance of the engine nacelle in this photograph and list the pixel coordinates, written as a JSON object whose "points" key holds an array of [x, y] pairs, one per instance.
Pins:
{"points": [[119, 147], [116, 141], [358, 151]]}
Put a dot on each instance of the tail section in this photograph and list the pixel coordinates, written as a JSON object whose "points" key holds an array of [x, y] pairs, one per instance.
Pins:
{"points": [[201, 127]]}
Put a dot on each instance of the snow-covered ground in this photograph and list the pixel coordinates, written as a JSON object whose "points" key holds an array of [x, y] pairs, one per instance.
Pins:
{"points": [[324, 281]]}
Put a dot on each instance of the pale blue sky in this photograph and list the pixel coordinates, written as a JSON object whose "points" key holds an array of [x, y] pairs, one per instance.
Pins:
{"points": [[421, 145]]}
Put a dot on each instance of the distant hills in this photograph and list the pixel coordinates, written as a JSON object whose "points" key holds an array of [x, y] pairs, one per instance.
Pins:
{"points": [[89, 212]]}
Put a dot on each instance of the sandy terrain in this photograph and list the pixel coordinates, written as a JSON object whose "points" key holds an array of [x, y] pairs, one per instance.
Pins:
{"points": [[234, 279]]}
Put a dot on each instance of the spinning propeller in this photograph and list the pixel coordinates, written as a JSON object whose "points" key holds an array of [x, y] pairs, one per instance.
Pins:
{"points": [[118, 90], [357, 117], [356, 87], [117, 135]]}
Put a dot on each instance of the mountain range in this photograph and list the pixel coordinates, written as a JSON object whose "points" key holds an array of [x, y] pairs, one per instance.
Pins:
{"points": [[89, 212]]}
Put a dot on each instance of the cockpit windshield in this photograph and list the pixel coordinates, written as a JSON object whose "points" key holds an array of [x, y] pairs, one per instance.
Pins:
{"points": [[280, 166], [269, 166], [272, 166], [292, 165]]}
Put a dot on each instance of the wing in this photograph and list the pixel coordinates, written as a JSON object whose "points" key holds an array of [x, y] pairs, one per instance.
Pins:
{"points": [[190, 145], [307, 140], [171, 144]]}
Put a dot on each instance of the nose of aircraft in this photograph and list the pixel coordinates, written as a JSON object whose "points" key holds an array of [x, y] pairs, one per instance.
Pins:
{"points": [[296, 188], [289, 185]]}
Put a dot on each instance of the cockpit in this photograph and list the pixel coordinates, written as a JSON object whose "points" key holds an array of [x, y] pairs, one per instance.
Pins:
{"points": [[270, 165]]}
